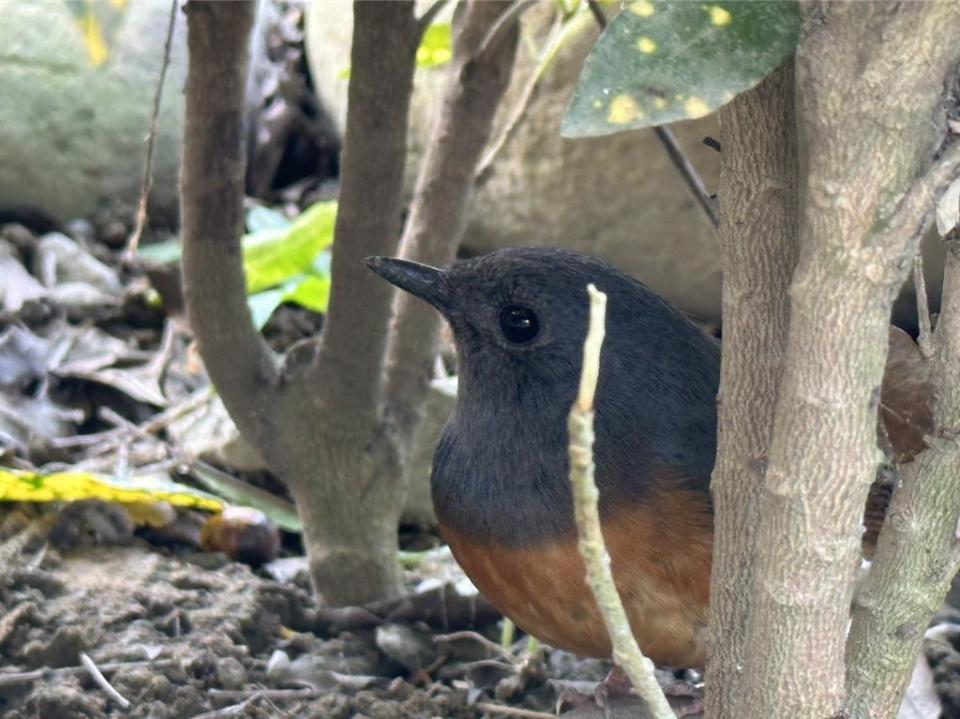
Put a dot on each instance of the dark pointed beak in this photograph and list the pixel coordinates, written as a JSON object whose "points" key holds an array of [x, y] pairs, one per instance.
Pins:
{"points": [[423, 281]]}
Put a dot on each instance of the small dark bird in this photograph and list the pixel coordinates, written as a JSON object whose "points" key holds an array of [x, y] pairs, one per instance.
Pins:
{"points": [[500, 474]]}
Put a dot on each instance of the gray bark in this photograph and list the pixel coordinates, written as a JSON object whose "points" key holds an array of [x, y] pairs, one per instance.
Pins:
{"points": [[870, 78], [321, 421], [758, 244], [438, 213], [917, 553]]}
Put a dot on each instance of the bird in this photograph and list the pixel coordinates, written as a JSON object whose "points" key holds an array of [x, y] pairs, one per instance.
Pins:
{"points": [[499, 478]]}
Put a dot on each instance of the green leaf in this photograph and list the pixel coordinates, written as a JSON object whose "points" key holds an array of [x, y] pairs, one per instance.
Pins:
{"points": [[278, 510], [273, 256], [664, 60], [436, 47], [311, 291], [266, 218], [263, 304], [161, 253]]}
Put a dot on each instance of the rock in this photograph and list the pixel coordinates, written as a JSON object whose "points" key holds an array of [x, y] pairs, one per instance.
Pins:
{"points": [[616, 197], [73, 141]]}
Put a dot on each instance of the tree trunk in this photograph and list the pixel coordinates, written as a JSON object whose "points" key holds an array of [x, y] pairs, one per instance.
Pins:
{"points": [[758, 242], [321, 421], [870, 77]]}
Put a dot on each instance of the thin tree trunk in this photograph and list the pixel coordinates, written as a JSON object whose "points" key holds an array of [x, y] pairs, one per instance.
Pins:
{"points": [[917, 553], [385, 40], [234, 353], [438, 214], [758, 242], [869, 130]]}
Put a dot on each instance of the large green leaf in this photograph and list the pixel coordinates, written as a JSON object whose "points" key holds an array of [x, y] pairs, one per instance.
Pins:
{"points": [[274, 255], [667, 60]]}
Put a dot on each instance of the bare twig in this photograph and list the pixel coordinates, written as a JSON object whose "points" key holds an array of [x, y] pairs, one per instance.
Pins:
{"points": [[146, 182], [231, 710], [506, 20], [8, 679], [597, 13], [626, 652], [280, 695], [500, 651], [686, 169], [512, 711], [430, 13], [925, 337], [559, 32], [688, 172], [102, 682]]}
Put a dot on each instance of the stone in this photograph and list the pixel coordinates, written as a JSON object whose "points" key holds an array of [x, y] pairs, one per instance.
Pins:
{"points": [[72, 134]]}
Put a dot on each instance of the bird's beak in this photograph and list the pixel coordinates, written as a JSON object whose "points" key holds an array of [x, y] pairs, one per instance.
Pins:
{"points": [[423, 281]]}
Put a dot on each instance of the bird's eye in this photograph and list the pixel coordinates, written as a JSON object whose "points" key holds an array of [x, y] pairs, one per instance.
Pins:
{"points": [[519, 324]]}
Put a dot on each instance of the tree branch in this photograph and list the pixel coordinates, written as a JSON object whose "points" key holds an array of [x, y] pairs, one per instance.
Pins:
{"points": [[626, 652], [240, 364], [915, 560], [354, 338], [437, 216], [759, 170]]}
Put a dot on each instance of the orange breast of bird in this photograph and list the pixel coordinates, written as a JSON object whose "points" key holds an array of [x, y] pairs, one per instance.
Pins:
{"points": [[660, 555]]}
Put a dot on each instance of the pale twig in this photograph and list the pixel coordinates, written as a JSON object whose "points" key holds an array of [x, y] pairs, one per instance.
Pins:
{"points": [[101, 681], [512, 711], [480, 639], [560, 31], [509, 16], [146, 181], [626, 652], [16, 678], [925, 336], [231, 710], [282, 695]]}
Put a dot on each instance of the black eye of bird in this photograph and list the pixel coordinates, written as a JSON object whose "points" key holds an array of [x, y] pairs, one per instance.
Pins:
{"points": [[519, 324]]}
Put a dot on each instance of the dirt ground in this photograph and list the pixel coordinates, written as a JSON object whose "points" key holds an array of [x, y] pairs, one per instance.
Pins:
{"points": [[180, 633]]}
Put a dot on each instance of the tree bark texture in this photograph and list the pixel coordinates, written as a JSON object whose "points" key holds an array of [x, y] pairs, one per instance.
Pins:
{"points": [[758, 242], [438, 216], [916, 557], [385, 40], [211, 176], [870, 79], [320, 420]]}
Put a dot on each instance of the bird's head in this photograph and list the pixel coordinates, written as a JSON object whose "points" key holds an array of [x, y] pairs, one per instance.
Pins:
{"points": [[517, 314]]}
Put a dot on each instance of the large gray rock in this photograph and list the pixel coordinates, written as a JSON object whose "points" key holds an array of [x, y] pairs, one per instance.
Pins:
{"points": [[616, 197], [72, 135]]}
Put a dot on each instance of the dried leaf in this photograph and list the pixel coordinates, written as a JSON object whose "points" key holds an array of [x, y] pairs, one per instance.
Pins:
{"points": [[906, 398]]}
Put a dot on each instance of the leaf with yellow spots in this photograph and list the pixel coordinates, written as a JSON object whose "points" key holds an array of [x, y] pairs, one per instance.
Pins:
{"points": [[661, 61], [98, 23], [23, 486]]}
